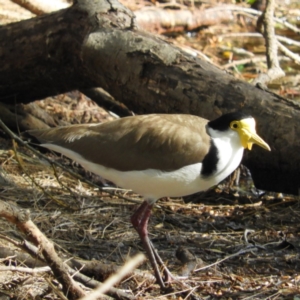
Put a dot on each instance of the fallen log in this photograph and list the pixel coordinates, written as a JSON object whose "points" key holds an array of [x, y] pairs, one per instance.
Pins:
{"points": [[97, 44]]}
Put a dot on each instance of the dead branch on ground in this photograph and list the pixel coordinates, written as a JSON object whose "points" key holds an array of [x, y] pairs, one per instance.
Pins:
{"points": [[21, 219], [40, 7]]}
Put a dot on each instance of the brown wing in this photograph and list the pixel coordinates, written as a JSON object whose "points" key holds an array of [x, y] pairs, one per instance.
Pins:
{"points": [[166, 142]]}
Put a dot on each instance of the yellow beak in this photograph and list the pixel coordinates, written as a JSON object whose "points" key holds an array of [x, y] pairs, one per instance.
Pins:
{"points": [[248, 135]]}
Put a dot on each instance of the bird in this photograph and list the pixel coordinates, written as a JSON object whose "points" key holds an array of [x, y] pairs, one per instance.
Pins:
{"points": [[156, 156]]}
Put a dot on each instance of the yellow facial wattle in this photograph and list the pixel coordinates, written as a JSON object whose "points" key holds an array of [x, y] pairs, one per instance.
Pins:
{"points": [[246, 130]]}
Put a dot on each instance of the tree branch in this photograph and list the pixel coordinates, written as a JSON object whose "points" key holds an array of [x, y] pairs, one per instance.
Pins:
{"points": [[274, 70], [22, 220]]}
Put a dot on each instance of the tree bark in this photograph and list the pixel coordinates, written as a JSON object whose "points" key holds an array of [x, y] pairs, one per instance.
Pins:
{"points": [[161, 20], [97, 44]]}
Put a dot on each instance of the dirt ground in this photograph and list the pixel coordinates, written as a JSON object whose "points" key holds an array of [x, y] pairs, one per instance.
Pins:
{"points": [[246, 242], [232, 242]]}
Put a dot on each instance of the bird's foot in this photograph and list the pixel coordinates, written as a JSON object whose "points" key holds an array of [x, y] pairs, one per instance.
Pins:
{"points": [[139, 221], [168, 276]]}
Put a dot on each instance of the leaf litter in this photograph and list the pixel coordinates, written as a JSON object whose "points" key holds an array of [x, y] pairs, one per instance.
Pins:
{"points": [[233, 242], [243, 243]]}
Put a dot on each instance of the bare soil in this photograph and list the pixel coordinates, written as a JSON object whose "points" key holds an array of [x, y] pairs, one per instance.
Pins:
{"points": [[246, 242]]}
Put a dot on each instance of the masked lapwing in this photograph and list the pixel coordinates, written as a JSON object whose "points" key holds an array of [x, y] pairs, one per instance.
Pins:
{"points": [[157, 155]]}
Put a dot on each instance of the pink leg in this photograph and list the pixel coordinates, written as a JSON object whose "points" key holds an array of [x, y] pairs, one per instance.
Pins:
{"points": [[139, 221]]}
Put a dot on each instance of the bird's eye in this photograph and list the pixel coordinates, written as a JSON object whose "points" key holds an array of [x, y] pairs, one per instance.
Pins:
{"points": [[234, 125]]}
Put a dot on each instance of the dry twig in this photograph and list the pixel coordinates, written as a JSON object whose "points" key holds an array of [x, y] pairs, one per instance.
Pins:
{"points": [[40, 7], [72, 265], [274, 70], [127, 268], [22, 220]]}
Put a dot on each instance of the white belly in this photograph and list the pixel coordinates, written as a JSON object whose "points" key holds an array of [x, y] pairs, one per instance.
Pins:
{"points": [[155, 184]]}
